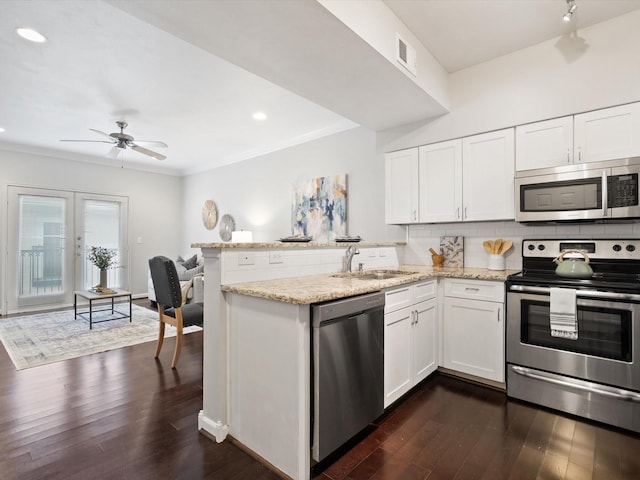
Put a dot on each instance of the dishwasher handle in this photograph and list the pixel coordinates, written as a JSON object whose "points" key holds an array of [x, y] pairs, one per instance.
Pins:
{"points": [[346, 307]]}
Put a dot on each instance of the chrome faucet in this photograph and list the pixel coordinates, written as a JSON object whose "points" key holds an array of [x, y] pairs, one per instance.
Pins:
{"points": [[349, 257]]}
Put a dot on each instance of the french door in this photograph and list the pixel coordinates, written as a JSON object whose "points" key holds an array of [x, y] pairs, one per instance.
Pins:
{"points": [[50, 233]]}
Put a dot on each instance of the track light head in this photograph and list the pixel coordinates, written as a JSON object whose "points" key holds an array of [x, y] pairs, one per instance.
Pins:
{"points": [[571, 8]]}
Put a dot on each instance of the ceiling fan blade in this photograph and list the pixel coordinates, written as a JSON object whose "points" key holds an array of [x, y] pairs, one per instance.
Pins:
{"points": [[90, 141], [145, 151], [153, 143], [114, 152], [113, 140]]}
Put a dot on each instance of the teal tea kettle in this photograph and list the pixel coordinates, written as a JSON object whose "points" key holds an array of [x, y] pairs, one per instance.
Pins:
{"points": [[573, 267]]}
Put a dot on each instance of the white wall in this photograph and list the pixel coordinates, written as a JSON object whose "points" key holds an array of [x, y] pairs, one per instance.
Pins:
{"points": [[257, 193], [597, 68], [155, 207]]}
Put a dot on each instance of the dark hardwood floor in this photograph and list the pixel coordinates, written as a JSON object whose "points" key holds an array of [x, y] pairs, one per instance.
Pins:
{"points": [[123, 415]]}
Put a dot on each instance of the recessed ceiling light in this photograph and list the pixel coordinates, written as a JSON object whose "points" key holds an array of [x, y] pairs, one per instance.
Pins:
{"points": [[31, 35], [259, 116], [1, 130]]}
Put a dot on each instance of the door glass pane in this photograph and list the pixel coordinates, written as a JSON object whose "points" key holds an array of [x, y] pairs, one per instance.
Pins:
{"points": [[101, 229], [41, 234]]}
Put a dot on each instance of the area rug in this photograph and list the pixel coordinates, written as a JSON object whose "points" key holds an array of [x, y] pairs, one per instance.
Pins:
{"points": [[34, 340]]}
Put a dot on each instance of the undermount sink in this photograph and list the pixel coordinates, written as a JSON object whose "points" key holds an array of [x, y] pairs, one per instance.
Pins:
{"points": [[374, 275]]}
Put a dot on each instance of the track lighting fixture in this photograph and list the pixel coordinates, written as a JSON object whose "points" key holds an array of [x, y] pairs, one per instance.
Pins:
{"points": [[571, 8]]}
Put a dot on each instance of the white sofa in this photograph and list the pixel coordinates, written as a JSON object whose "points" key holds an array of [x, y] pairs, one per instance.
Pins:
{"points": [[186, 275]]}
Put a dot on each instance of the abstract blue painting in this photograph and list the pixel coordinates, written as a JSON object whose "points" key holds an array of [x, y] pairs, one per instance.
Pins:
{"points": [[320, 208]]}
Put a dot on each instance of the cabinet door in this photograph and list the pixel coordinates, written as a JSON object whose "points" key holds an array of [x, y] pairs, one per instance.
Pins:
{"points": [[397, 354], [440, 170], [474, 337], [424, 337], [544, 144], [401, 186], [487, 176], [607, 134]]}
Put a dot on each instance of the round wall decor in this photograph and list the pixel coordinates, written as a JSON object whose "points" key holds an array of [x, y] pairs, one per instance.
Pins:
{"points": [[227, 225], [209, 214]]}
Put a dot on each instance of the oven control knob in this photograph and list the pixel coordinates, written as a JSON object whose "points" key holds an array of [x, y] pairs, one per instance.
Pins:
{"points": [[631, 248], [541, 247], [617, 248], [531, 247]]}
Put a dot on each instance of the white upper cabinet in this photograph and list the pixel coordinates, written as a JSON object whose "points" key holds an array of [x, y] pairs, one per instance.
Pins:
{"points": [[467, 179], [544, 144], [607, 134], [487, 176], [441, 182], [401, 186]]}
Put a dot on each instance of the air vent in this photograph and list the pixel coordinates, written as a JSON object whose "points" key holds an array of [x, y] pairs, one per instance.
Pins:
{"points": [[406, 55]]}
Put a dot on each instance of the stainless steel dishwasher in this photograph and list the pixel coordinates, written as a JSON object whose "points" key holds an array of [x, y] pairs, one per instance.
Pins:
{"points": [[348, 369]]}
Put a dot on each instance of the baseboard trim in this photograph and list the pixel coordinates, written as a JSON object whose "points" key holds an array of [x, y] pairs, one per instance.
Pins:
{"points": [[212, 428]]}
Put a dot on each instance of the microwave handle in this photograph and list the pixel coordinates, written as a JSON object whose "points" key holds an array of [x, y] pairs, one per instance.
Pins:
{"points": [[605, 193]]}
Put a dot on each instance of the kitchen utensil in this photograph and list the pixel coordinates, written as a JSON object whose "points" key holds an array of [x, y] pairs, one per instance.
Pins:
{"points": [[487, 244], [506, 245], [496, 246], [573, 267], [437, 260], [433, 252]]}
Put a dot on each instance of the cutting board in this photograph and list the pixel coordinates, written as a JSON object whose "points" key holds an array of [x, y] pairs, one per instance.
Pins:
{"points": [[453, 250]]}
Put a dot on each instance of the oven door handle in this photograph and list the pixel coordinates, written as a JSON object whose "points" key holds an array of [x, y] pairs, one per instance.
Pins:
{"points": [[597, 294], [577, 384]]}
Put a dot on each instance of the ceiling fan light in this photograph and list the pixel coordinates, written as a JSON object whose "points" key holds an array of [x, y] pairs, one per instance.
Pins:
{"points": [[31, 35]]}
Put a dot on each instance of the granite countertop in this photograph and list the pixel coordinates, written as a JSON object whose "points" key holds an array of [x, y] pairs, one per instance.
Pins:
{"points": [[320, 288], [278, 244]]}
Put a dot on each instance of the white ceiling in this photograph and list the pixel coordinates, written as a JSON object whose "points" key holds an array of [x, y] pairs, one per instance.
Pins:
{"points": [[151, 64]]}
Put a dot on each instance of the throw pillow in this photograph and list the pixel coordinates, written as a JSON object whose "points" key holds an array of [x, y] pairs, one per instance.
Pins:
{"points": [[191, 262]]}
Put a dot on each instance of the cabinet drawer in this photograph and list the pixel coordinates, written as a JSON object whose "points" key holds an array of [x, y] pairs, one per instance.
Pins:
{"points": [[474, 289], [398, 298], [409, 294], [425, 290]]}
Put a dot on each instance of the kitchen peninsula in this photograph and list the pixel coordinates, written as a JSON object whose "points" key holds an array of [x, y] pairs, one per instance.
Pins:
{"points": [[257, 336]]}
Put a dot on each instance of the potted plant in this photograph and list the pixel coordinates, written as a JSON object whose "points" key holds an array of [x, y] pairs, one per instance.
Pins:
{"points": [[103, 258]]}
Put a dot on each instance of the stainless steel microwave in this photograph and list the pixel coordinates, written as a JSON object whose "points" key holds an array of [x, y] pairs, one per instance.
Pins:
{"points": [[584, 192]]}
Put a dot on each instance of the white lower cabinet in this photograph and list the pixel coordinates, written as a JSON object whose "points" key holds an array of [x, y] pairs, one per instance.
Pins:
{"points": [[410, 337], [473, 324]]}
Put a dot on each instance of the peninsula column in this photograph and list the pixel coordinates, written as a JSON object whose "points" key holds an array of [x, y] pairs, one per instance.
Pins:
{"points": [[212, 419]]}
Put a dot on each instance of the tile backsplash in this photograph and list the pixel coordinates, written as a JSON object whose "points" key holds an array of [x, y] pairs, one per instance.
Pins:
{"points": [[421, 237]]}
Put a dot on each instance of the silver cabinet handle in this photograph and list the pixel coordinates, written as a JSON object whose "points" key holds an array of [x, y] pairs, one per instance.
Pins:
{"points": [[465, 212], [498, 314], [457, 213], [471, 289], [417, 316], [568, 155]]}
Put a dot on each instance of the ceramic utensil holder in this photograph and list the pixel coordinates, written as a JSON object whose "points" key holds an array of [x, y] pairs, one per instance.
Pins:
{"points": [[496, 262]]}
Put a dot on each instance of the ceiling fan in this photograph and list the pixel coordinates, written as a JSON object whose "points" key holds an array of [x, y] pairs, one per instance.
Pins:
{"points": [[121, 141]]}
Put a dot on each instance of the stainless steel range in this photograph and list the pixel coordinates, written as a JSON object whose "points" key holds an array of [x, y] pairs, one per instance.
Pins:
{"points": [[573, 344]]}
